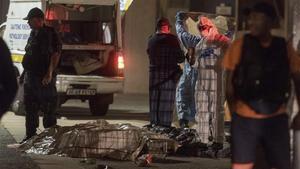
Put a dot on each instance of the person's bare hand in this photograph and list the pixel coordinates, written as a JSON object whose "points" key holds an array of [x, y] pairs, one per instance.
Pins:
{"points": [[191, 56], [47, 79], [182, 15], [219, 40]]}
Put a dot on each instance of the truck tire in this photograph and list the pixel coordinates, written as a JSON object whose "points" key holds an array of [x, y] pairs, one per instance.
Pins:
{"points": [[98, 109], [99, 104]]}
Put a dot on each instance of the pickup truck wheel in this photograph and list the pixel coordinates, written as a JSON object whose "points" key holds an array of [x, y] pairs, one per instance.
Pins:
{"points": [[98, 109], [100, 103]]}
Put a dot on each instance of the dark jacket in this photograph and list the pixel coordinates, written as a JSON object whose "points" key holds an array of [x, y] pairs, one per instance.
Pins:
{"points": [[40, 47], [8, 81], [164, 52]]}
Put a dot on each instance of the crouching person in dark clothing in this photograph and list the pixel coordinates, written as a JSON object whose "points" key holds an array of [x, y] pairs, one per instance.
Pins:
{"points": [[164, 55], [40, 60], [8, 81]]}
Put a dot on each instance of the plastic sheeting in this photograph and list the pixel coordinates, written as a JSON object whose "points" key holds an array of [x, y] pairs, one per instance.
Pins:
{"points": [[99, 139]]}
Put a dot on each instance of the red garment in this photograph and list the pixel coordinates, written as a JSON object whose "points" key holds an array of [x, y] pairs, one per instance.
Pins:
{"points": [[210, 31]]}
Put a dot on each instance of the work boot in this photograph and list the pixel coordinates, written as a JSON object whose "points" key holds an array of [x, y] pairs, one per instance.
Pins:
{"points": [[184, 123]]}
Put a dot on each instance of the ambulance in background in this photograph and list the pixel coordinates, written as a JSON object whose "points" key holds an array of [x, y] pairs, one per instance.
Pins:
{"points": [[92, 64]]}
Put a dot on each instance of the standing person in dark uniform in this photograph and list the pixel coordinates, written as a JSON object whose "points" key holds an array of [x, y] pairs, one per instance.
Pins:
{"points": [[8, 81], [41, 58], [164, 55]]}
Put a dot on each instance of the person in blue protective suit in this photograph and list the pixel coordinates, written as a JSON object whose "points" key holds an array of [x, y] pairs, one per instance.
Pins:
{"points": [[185, 101], [193, 99]]}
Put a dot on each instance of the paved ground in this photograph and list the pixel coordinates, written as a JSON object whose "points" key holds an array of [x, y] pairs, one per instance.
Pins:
{"points": [[51, 162], [11, 159], [126, 108]]}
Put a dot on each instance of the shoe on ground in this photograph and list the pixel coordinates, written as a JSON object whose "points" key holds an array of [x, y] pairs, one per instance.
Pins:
{"points": [[26, 138]]}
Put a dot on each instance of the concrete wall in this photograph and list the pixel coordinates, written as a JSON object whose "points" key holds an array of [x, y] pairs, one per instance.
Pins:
{"points": [[295, 17], [210, 6], [139, 25], [140, 21]]}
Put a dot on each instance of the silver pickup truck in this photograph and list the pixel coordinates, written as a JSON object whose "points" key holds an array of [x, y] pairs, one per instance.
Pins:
{"points": [[92, 63]]}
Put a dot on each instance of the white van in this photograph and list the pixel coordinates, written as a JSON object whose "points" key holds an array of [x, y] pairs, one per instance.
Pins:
{"points": [[92, 64]]}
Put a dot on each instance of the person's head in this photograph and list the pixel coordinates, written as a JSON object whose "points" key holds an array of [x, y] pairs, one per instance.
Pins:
{"points": [[261, 19], [206, 27], [211, 28], [163, 25], [35, 18]]}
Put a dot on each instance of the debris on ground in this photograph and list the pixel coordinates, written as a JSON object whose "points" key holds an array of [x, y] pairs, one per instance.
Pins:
{"points": [[144, 160], [190, 144], [100, 166]]}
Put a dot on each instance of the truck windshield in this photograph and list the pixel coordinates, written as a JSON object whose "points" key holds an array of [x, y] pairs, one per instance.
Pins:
{"points": [[83, 24]]}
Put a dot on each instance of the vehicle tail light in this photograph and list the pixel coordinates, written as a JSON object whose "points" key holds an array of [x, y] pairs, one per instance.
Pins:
{"points": [[121, 64]]}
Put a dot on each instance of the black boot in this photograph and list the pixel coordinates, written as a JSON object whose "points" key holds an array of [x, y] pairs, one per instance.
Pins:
{"points": [[184, 123], [27, 138]]}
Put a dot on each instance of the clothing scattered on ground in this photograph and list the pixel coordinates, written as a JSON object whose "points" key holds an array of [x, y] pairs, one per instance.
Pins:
{"points": [[190, 144]]}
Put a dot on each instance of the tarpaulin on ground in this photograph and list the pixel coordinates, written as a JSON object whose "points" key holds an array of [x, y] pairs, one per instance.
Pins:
{"points": [[99, 139]]}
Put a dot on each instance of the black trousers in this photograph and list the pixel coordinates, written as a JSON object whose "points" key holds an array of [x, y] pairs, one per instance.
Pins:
{"points": [[38, 97]]}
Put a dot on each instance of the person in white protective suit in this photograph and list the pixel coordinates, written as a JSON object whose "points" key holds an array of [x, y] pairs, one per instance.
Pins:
{"points": [[197, 91]]}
